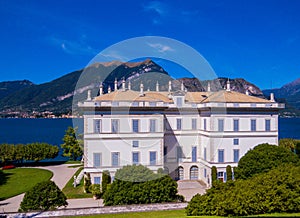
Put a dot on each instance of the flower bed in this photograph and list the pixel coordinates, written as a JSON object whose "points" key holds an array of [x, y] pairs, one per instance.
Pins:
{"points": [[8, 167]]}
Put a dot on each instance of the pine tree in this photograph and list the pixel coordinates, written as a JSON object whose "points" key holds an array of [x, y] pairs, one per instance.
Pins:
{"points": [[72, 146]]}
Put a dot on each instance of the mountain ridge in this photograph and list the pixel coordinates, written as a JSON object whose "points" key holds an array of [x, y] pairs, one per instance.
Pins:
{"points": [[56, 97], [289, 94]]}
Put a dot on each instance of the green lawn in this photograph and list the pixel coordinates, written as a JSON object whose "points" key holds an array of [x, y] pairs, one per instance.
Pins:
{"points": [[75, 165], [172, 214], [278, 215], [77, 192], [19, 180]]}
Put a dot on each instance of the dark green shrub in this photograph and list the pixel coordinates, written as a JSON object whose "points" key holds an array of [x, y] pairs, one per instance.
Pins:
{"points": [[44, 196], [87, 183], [95, 189], [139, 185], [263, 158], [106, 179], [214, 175], [277, 191], [229, 173]]}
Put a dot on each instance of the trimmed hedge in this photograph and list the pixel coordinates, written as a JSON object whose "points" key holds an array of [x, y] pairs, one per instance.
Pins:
{"points": [[139, 185], [276, 191]]}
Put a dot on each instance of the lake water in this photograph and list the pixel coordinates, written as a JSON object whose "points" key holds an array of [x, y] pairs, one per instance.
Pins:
{"points": [[23, 131], [52, 130]]}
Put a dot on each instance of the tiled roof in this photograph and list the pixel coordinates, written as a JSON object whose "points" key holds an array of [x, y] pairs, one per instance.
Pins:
{"points": [[130, 95], [191, 97], [233, 97]]}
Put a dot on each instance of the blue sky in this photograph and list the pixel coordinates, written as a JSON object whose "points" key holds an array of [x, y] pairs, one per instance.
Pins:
{"points": [[256, 40]]}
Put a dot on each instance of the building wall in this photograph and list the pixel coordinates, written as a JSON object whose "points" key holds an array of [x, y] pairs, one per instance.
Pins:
{"points": [[174, 146]]}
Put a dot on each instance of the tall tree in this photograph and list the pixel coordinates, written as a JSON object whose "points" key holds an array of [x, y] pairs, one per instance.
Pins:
{"points": [[106, 179], [72, 146], [214, 175], [229, 173], [7, 153]]}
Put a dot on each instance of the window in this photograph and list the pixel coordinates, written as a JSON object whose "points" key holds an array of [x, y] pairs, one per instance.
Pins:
{"points": [[236, 125], [178, 124], [97, 180], [205, 173], [165, 153], [235, 141], [135, 158], [221, 176], [135, 103], [221, 155], [194, 173], [253, 125], [194, 154], [152, 103], [97, 126], [179, 154], [97, 159], [135, 144], [179, 101], [194, 123], [115, 158], [204, 154], [135, 125], [115, 103], [236, 155], [180, 173], [114, 126], [204, 124], [268, 125], [152, 125], [225, 176], [152, 158], [220, 125]]}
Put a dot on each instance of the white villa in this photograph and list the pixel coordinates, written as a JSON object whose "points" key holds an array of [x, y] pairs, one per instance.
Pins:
{"points": [[185, 133]]}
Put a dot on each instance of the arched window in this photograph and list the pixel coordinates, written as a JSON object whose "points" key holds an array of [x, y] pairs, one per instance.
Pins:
{"points": [[180, 173], [194, 173]]}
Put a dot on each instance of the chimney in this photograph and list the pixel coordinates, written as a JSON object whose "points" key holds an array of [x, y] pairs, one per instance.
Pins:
{"points": [[129, 85], [109, 89], [182, 86], [157, 86], [228, 86], [123, 85], [272, 99], [101, 89], [141, 89], [116, 85], [247, 92], [89, 98], [170, 86], [208, 87]]}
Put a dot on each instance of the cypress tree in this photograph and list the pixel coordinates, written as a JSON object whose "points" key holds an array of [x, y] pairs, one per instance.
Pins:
{"points": [[229, 173], [214, 175]]}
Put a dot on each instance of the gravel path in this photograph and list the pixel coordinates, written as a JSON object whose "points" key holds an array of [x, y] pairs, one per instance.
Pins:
{"points": [[61, 175], [102, 210]]}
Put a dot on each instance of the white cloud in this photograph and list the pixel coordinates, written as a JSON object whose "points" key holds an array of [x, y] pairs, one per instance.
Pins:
{"points": [[161, 12], [73, 47], [157, 7], [160, 47]]}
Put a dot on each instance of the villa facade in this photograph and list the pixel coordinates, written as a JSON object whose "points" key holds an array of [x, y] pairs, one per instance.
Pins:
{"points": [[184, 133]]}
